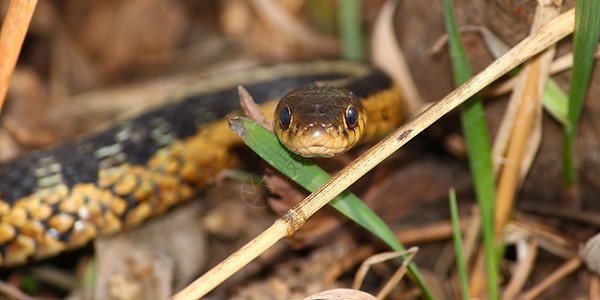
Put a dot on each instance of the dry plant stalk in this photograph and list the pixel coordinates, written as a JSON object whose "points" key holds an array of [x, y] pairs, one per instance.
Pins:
{"points": [[560, 64], [295, 218], [12, 35], [520, 132], [361, 273], [423, 234], [471, 235], [562, 271], [594, 287], [522, 272]]}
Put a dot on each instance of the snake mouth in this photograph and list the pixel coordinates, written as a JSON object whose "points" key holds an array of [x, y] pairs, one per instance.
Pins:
{"points": [[319, 148], [316, 151], [319, 141]]}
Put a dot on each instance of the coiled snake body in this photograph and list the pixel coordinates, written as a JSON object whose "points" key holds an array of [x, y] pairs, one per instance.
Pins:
{"points": [[61, 198]]}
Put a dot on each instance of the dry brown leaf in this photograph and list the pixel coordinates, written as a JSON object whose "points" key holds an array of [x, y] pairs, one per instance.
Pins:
{"points": [[590, 254], [341, 294], [252, 110]]}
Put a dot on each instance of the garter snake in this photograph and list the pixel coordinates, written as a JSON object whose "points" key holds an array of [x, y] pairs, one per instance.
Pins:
{"points": [[60, 198], [319, 121]]}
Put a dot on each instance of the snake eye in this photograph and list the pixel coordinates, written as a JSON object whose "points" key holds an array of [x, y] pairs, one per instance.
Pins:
{"points": [[285, 117], [351, 116]]}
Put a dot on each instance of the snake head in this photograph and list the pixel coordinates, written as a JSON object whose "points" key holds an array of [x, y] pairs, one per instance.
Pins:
{"points": [[319, 121]]}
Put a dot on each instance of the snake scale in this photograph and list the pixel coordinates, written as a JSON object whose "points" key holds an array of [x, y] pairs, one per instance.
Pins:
{"points": [[60, 198]]}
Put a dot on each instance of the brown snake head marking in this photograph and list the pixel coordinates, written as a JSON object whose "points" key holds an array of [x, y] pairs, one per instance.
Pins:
{"points": [[319, 121]]}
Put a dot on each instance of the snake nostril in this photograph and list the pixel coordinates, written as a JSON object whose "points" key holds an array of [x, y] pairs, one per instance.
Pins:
{"points": [[285, 117], [351, 116]]}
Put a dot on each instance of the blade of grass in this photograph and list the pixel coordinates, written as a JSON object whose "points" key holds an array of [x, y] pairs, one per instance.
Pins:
{"points": [[555, 101], [586, 34], [479, 149], [458, 247], [311, 177], [351, 36]]}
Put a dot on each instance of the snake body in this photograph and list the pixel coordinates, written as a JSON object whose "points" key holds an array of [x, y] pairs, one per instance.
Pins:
{"points": [[60, 198]]}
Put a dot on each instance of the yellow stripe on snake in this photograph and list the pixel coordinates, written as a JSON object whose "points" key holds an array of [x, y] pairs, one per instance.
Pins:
{"points": [[61, 198]]}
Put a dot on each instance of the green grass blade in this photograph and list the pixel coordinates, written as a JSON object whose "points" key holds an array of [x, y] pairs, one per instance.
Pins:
{"points": [[586, 34], [351, 35], [458, 247], [311, 177], [478, 145], [555, 101]]}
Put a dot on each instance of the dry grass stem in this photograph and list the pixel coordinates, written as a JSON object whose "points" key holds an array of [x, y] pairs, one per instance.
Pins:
{"points": [[565, 62], [477, 279], [548, 238], [588, 217], [595, 287], [471, 236], [560, 64], [294, 219], [393, 282], [361, 273], [520, 131], [432, 232], [17, 19], [564, 270], [522, 272]]}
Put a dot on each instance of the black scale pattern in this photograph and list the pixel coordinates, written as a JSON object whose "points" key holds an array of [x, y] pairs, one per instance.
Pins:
{"points": [[77, 158]]}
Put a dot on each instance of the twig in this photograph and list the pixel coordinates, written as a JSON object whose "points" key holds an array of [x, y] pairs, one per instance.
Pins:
{"points": [[568, 267], [12, 36], [522, 271]]}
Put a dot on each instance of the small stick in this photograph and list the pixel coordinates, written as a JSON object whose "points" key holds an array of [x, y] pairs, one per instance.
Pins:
{"points": [[564, 270], [522, 271], [12, 35]]}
